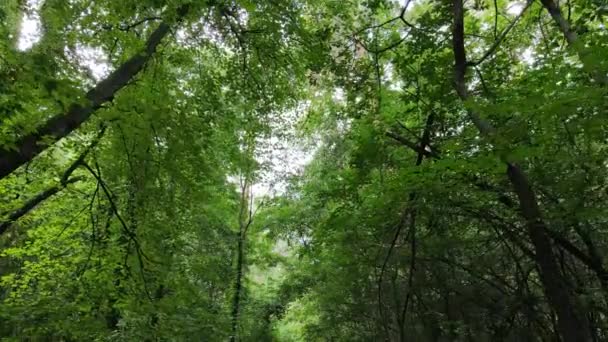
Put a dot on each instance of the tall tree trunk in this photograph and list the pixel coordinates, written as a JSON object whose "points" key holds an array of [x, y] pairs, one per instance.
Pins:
{"points": [[62, 124], [236, 301], [571, 325], [245, 220]]}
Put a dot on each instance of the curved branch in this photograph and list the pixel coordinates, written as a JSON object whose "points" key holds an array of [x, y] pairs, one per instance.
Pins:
{"points": [[500, 38]]}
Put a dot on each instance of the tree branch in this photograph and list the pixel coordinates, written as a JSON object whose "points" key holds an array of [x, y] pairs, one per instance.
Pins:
{"points": [[571, 37], [44, 195], [417, 148], [553, 9], [34, 201]]}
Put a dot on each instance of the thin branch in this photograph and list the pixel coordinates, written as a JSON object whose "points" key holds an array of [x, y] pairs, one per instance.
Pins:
{"points": [[400, 17], [128, 27], [130, 234], [377, 26], [483, 82], [502, 36], [109, 196], [495, 19], [402, 125], [386, 259], [93, 228]]}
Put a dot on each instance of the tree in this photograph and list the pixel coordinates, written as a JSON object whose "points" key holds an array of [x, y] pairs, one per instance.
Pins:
{"points": [[437, 171]]}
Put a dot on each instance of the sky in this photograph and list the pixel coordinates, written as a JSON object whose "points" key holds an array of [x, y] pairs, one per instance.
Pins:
{"points": [[92, 58], [29, 31]]}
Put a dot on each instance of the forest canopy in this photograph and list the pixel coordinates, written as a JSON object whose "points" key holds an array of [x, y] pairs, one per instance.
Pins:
{"points": [[303, 170]]}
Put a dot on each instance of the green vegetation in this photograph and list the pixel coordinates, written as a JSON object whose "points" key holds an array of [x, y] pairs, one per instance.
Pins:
{"points": [[355, 170]]}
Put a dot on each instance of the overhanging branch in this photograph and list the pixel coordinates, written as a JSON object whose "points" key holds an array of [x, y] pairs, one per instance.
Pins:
{"points": [[66, 179]]}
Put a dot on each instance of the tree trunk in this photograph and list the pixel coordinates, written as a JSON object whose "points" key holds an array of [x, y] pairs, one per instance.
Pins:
{"points": [[571, 325], [245, 220], [62, 124], [236, 302]]}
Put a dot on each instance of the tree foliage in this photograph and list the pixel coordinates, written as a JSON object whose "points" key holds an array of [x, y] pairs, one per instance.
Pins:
{"points": [[453, 189]]}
